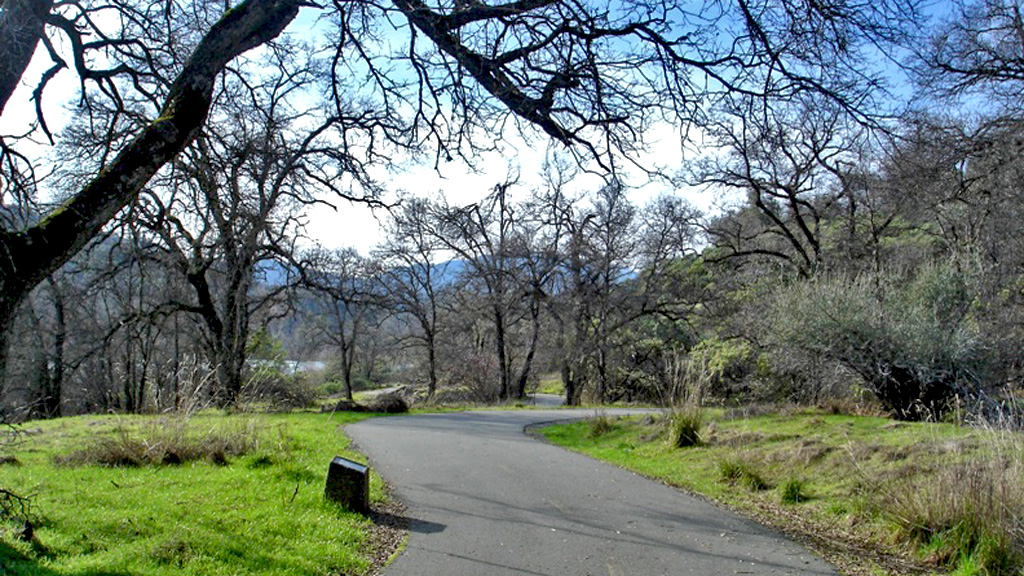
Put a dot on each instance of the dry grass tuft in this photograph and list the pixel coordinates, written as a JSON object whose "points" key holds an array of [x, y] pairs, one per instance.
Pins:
{"points": [[684, 426], [967, 513], [738, 470], [600, 425], [793, 491], [167, 441]]}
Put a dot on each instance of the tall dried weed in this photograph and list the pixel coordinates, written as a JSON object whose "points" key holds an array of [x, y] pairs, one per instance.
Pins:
{"points": [[969, 512], [684, 426], [169, 440]]}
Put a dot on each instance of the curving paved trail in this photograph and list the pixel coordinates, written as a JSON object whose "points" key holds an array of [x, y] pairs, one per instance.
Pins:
{"points": [[484, 499]]}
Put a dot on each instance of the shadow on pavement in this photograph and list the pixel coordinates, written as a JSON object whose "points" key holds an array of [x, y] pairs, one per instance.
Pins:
{"points": [[406, 523]]}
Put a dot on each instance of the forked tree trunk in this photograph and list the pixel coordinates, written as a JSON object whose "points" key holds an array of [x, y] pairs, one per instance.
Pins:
{"points": [[524, 373]]}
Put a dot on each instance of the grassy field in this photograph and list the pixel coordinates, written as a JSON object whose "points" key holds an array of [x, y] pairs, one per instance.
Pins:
{"points": [[243, 494], [206, 495], [873, 495]]}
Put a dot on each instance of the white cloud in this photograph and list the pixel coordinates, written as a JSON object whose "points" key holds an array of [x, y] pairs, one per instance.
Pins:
{"points": [[358, 226]]}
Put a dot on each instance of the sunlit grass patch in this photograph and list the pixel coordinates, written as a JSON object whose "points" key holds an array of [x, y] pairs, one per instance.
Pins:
{"points": [[258, 511], [550, 384]]}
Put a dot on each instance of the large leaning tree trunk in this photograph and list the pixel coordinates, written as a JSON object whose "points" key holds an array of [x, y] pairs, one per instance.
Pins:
{"points": [[28, 257]]}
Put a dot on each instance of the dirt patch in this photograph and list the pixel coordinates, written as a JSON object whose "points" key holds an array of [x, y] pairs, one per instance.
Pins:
{"points": [[804, 453], [387, 534], [738, 439]]}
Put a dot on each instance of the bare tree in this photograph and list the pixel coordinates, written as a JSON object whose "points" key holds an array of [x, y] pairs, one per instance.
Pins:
{"points": [[610, 248], [480, 236], [979, 49], [536, 247], [345, 286], [230, 210], [790, 163], [591, 300], [30, 254], [414, 279], [666, 249], [557, 211]]}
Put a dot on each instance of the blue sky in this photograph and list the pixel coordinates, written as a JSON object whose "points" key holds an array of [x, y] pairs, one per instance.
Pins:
{"points": [[356, 225]]}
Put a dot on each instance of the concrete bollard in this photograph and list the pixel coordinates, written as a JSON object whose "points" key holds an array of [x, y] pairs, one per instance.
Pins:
{"points": [[348, 483]]}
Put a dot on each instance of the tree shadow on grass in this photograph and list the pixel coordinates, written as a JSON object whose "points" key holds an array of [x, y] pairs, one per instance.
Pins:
{"points": [[14, 562]]}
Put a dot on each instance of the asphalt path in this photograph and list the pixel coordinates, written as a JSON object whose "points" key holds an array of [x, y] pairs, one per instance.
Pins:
{"points": [[485, 499], [547, 400]]}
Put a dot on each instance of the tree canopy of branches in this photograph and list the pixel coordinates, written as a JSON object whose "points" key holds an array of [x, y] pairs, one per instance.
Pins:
{"points": [[593, 75]]}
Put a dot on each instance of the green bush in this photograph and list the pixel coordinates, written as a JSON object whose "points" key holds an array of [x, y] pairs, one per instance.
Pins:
{"points": [[914, 342]]}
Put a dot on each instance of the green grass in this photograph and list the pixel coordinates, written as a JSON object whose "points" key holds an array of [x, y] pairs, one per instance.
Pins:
{"points": [[550, 384], [837, 476], [684, 426], [259, 513], [793, 491]]}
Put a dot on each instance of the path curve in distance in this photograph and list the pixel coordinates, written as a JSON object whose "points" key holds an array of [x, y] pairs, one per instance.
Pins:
{"points": [[485, 499]]}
